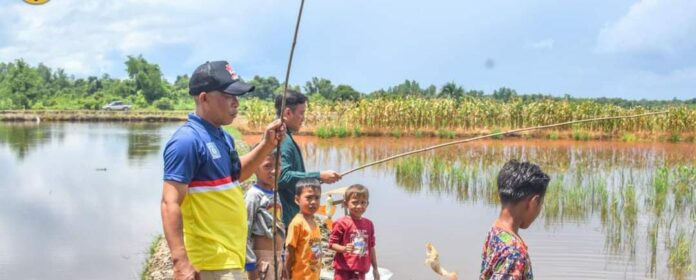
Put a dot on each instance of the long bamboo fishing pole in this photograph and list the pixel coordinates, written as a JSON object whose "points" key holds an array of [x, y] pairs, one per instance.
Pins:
{"points": [[496, 134], [277, 158]]}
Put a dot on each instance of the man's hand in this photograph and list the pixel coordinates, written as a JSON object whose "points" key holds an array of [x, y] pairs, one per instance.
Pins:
{"points": [[375, 273], [274, 133], [329, 176], [183, 270]]}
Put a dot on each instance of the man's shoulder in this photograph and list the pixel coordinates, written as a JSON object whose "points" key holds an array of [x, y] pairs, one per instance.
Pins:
{"points": [[287, 144], [187, 133], [184, 138]]}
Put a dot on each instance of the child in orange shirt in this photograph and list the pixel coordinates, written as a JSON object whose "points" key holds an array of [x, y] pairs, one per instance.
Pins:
{"points": [[303, 242]]}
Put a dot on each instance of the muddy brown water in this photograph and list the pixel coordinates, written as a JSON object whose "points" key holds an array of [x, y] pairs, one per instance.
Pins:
{"points": [[576, 237], [81, 201]]}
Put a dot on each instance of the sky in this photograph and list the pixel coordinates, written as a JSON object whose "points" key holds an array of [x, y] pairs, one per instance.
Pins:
{"points": [[585, 48]]}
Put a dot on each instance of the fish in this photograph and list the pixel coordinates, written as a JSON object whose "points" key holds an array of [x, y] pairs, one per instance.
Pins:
{"points": [[432, 259]]}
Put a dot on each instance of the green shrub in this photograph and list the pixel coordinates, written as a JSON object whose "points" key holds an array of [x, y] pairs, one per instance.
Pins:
{"points": [[164, 104]]}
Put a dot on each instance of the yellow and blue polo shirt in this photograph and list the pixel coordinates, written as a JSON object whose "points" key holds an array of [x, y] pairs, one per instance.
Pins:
{"points": [[213, 212]]}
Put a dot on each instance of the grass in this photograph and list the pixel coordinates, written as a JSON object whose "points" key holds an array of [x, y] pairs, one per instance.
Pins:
{"points": [[610, 188], [323, 132], [444, 133], [481, 114], [553, 135], [591, 184], [152, 249], [674, 137], [333, 131], [457, 176], [629, 137], [409, 172], [438, 171], [580, 135], [356, 131], [241, 146], [630, 206], [679, 260], [684, 180], [340, 132], [236, 134], [395, 133], [410, 166], [497, 130], [552, 199], [659, 190], [653, 232]]}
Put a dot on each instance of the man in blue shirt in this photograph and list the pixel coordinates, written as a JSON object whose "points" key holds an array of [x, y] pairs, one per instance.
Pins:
{"points": [[203, 211]]}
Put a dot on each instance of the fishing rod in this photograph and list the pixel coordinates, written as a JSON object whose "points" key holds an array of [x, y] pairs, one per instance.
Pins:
{"points": [[277, 158], [497, 134]]}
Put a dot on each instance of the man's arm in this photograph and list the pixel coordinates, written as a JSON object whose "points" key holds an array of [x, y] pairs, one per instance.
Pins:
{"points": [[173, 194], [272, 136]]}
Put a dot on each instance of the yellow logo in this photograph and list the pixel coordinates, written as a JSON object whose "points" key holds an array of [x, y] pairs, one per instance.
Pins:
{"points": [[36, 2]]}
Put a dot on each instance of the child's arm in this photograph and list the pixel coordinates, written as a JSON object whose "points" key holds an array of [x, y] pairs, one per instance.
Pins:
{"points": [[252, 205], [336, 237], [373, 260], [342, 249], [289, 260]]}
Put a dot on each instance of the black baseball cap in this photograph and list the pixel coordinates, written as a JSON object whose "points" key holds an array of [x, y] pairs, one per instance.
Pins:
{"points": [[217, 75]]}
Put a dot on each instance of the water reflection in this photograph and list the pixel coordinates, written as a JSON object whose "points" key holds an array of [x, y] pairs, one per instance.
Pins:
{"points": [[84, 198], [143, 140], [633, 203], [616, 183], [22, 138]]}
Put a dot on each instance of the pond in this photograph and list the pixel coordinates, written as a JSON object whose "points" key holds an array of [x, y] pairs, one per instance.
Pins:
{"points": [[82, 201]]}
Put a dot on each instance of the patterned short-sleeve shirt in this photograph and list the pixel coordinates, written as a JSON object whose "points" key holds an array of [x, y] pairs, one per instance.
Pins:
{"points": [[505, 257]]}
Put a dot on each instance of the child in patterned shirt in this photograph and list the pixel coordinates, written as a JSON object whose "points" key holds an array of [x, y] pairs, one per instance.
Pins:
{"points": [[521, 188], [353, 238]]}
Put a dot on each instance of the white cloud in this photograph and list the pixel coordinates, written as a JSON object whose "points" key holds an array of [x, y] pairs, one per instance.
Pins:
{"points": [[545, 44], [92, 37], [661, 26]]}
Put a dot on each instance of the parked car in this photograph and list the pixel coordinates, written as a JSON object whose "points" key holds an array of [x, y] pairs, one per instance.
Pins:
{"points": [[116, 106]]}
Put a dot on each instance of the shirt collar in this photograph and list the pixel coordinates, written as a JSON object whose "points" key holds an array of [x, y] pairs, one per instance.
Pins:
{"points": [[212, 130], [266, 191]]}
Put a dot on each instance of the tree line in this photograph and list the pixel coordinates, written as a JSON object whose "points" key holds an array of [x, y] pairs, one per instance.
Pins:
{"points": [[23, 86]]}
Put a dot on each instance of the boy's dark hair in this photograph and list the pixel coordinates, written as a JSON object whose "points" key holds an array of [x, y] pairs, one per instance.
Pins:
{"points": [[518, 180], [306, 183], [356, 190], [293, 99]]}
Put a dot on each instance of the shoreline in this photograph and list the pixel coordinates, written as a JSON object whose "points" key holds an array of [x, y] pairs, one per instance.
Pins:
{"points": [[330, 131], [91, 116]]}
